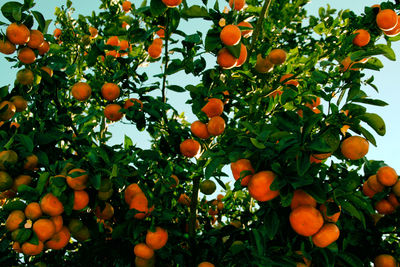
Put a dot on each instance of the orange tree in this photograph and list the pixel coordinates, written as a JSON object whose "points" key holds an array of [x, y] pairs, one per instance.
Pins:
{"points": [[283, 107]]}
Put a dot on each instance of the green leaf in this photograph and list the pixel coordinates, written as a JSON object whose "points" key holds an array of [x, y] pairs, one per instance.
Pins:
{"points": [[234, 50], [40, 20], [368, 136], [257, 239], [9, 9], [14, 205], [4, 91], [44, 177], [212, 40], [157, 7], [95, 180], [271, 221], [375, 121], [257, 143], [375, 102], [320, 76], [350, 259], [176, 88], [195, 11], [302, 163], [23, 235], [353, 211], [212, 167], [127, 142]]}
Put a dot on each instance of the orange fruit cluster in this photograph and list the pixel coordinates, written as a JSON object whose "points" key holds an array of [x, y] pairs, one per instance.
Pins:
{"points": [[231, 35], [275, 57], [239, 166], [137, 200], [155, 49]]}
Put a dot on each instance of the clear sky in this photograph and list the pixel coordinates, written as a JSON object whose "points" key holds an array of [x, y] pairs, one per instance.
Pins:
{"points": [[386, 80]]}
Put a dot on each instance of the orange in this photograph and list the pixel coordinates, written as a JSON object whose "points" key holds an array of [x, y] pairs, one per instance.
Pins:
{"points": [[393, 32], [58, 222], [362, 38], [230, 35], [158, 41], [140, 203], [93, 32], [18, 34], [214, 107], [131, 102], [17, 247], [385, 260], [31, 249], [387, 176], [25, 77], [143, 251], [126, 6], [237, 4], [50, 205], [321, 156], [239, 166], [383, 206], [374, 184], [190, 148], [347, 63], [354, 147], [77, 179], [82, 234], [7, 157], [225, 59], [131, 191], [176, 181], [112, 112], [306, 220], [367, 190], [36, 39], [277, 56], [31, 162], [57, 33], [259, 186], [14, 219], [301, 198], [47, 70], [206, 264], [158, 239], [289, 82], [113, 53], [110, 91], [393, 200], [154, 51], [81, 91], [331, 218], [172, 3], [33, 211], [161, 32], [263, 65], [113, 40], [20, 180], [26, 55], [6, 47], [106, 213], [220, 197], [44, 48], [242, 56], [139, 262], [199, 129], [328, 234], [44, 229], [59, 240], [246, 33], [7, 113], [123, 45], [386, 19], [81, 199], [184, 199], [6, 181], [216, 126], [396, 188]]}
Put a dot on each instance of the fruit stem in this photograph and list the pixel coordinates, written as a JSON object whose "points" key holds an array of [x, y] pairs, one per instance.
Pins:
{"points": [[260, 21]]}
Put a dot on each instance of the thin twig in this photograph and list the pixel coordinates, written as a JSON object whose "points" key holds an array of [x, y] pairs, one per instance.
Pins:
{"points": [[164, 82], [260, 21]]}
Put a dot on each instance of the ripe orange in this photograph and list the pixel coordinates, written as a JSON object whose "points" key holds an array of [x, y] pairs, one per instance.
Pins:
{"points": [[237, 4], [216, 126], [332, 218], [81, 91], [140, 203], [19, 102], [77, 179], [387, 176], [199, 129], [263, 65], [242, 56], [31, 249], [126, 6], [9, 112], [131, 102], [60, 239], [154, 51], [26, 55], [161, 32], [306, 220], [31, 162], [110, 91], [18, 34], [393, 200], [36, 39], [184, 200], [386, 19], [172, 3], [158, 239], [385, 260], [301, 198], [81, 199], [289, 82], [239, 166], [25, 77], [44, 48], [214, 107], [246, 33], [396, 188], [354, 147], [230, 35], [14, 219], [93, 32], [190, 148], [58, 222], [113, 53], [383, 206], [277, 56], [17, 247], [106, 213], [47, 70], [131, 191], [112, 112], [44, 229], [6, 47], [33, 211], [362, 38], [51, 205], [367, 190], [143, 251], [57, 33], [158, 41], [374, 184], [259, 186], [328, 234], [206, 264], [225, 59], [113, 40], [176, 180], [20, 180], [123, 45], [393, 32]]}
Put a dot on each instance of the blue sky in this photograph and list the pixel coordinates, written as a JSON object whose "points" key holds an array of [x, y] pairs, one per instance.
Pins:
{"points": [[386, 80]]}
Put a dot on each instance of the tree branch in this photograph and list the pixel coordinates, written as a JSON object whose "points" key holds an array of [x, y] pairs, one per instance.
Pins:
{"points": [[164, 82], [260, 21]]}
